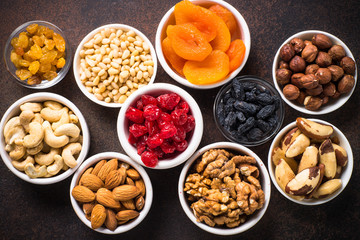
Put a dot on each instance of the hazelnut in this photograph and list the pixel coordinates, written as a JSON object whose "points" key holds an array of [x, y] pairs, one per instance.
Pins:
{"points": [[298, 44], [321, 41], [307, 42], [309, 53], [323, 75], [348, 65], [315, 91], [336, 72], [336, 95], [311, 69], [283, 64], [325, 100], [329, 89], [291, 92], [297, 64], [337, 52], [301, 98], [287, 52], [309, 81], [295, 79], [346, 84], [323, 59], [312, 103], [283, 76]]}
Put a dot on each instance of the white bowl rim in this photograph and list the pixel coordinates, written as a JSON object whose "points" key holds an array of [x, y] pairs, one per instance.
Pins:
{"points": [[328, 108], [84, 128], [195, 139], [345, 178], [87, 38], [266, 186], [245, 37], [122, 157]]}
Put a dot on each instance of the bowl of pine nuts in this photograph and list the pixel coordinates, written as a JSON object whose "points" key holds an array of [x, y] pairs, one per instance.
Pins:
{"points": [[112, 62]]}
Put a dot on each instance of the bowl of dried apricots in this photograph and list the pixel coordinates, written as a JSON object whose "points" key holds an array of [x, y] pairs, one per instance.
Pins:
{"points": [[37, 54], [202, 44]]}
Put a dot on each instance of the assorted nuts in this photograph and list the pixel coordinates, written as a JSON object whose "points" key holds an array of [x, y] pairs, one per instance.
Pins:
{"points": [[112, 193], [115, 63], [44, 139], [224, 188], [309, 160], [307, 68]]}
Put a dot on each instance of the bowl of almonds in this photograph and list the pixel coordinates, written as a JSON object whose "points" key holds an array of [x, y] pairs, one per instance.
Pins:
{"points": [[110, 193]]}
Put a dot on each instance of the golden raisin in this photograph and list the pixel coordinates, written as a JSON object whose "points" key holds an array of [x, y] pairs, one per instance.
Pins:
{"points": [[32, 28], [41, 30], [23, 40], [44, 67], [59, 42], [34, 67], [34, 80], [50, 44], [15, 58], [60, 63], [38, 40], [27, 56], [23, 74], [19, 51], [14, 42], [35, 52], [50, 75], [24, 63], [48, 57]]}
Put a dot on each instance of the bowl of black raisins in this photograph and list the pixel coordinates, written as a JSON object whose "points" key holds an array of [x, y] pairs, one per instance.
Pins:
{"points": [[248, 110]]}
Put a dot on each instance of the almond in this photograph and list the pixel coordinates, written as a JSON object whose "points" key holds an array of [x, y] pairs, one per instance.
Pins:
{"points": [[88, 207], [110, 221], [98, 166], [141, 186], [92, 182], [83, 194], [113, 179], [105, 197], [107, 168], [139, 202], [125, 192], [98, 216], [133, 174], [128, 204], [126, 215], [87, 171], [122, 171], [129, 181]]}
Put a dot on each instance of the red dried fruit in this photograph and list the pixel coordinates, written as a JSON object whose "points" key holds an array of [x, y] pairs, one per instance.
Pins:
{"points": [[164, 119], [154, 141], [183, 105], [190, 123], [134, 115], [147, 99], [137, 130], [181, 146], [179, 116], [132, 139], [167, 146], [168, 101], [158, 152], [180, 134], [139, 104], [150, 159], [151, 127], [141, 144], [168, 130], [151, 112]]}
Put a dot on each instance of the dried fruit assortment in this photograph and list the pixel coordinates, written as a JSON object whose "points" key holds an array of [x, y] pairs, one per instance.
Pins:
{"points": [[224, 188], [159, 126], [247, 111], [111, 193], [44, 139], [309, 161], [38, 54], [314, 72], [200, 45]]}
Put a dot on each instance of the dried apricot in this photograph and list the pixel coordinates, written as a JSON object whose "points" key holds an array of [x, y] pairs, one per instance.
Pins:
{"points": [[213, 69], [176, 62], [204, 21], [188, 42], [225, 15], [236, 53], [59, 42], [223, 37]]}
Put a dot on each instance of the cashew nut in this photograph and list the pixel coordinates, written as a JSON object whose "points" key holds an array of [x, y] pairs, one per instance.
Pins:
{"points": [[56, 166], [35, 136], [53, 105], [38, 118], [35, 150], [51, 139], [21, 165], [64, 119], [68, 154], [73, 118], [52, 115], [17, 152], [25, 118], [13, 130], [34, 172], [46, 158], [34, 107], [68, 129]]}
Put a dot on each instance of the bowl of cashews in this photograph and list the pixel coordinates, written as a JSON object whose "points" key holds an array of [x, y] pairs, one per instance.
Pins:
{"points": [[44, 138]]}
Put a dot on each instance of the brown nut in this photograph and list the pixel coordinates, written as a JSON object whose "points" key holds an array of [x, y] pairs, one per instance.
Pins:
{"points": [[283, 76], [309, 53], [297, 64], [336, 72], [312, 103], [283, 174], [323, 59], [329, 89], [325, 100], [341, 155], [307, 42], [323, 75], [346, 84], [311, 69], [336, 95], [287, 52], [289, 138], [304, 182], [309, 81], [298, 44], [337, 52], [278, 155], [328, 158], [315, 91], [291, 92], [295, 79], [309, 158], [313, 129], [298, 146], [348, 65], [321, 41], [327, 188], [301, 97], [283, 64]]}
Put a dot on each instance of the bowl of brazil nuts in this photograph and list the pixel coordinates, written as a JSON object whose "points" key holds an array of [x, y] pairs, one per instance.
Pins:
{"points": [[112, 62]]}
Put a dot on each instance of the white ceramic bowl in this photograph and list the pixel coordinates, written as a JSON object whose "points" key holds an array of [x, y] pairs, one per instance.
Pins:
{"points": [[264, 181], [157, 89], [169, 19], [76, 63], [346, 171], [14, 110], [333, 104], [148, 195]]}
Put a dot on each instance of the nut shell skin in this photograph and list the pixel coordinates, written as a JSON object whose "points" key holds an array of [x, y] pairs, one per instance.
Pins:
{"points": [[295, 79], [311, 69], [291, 92], [336, 72], [348, 65], [312, 103], [283, 76], [321, 41], [309, 53], [337, 52], [298, 44], [297, 64], [323, 75], [315, 91], [309, 81], [323, 59], [287, 52], [346, 84], [329, 89]]}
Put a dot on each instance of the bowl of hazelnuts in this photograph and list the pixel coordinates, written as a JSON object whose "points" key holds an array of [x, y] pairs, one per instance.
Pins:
{"points": [[314, 72]]}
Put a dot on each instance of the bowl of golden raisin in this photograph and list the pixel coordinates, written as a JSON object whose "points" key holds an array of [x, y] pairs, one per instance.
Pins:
{"points": [[37, 54]]}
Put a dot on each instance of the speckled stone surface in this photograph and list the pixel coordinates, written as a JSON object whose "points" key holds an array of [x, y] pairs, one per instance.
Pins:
{"points": [[44, 212]]}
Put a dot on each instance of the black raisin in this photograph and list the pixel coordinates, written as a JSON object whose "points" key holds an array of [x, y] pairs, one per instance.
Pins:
{"points": [[264, 99], [250, 96], [230, 119], [226, 97], [266, 111], [237, 90], [229, 106], [263, 125], [240, 116], [247, 108], [276, 101], [220, 113], [243, 128], [272, 121], [248, 86], [255, 134]]}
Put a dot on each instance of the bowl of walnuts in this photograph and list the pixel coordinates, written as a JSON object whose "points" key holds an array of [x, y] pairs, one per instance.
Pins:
{"points": [[314, 72]]}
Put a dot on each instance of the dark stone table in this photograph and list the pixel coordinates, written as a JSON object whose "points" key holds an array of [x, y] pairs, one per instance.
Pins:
{"points": [[44, 212]]}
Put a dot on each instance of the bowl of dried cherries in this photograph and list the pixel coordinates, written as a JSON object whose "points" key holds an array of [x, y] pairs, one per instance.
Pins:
{"points": [[160, 126]]}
